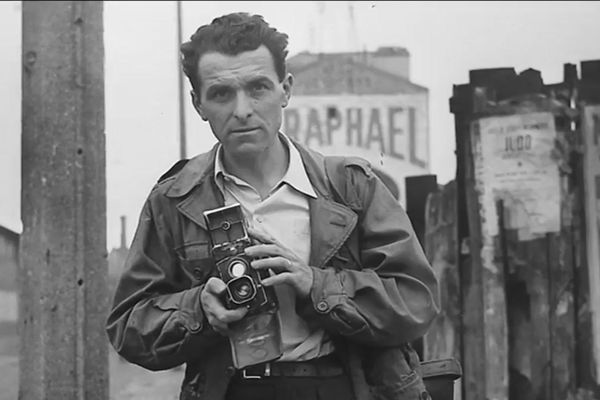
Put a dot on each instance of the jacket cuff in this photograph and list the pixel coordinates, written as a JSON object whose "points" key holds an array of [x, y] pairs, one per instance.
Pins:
{"points": [[326, 293], [190, 311]]}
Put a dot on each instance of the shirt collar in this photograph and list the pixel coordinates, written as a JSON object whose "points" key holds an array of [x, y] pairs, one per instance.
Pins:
{"points": [[295, 176]]}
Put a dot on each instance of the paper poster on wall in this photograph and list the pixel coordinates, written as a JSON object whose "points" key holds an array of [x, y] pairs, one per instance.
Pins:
{"points": [[513, 162]]}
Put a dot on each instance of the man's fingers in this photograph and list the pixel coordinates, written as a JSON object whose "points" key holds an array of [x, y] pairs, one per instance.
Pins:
{"points": [[214, 308], [215, 286], [217, 315], [264, 250], [284, 277], [232, 315], [275, 263]]}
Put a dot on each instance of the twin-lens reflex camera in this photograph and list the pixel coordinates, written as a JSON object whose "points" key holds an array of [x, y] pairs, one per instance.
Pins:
{"points": [[255, 338]]}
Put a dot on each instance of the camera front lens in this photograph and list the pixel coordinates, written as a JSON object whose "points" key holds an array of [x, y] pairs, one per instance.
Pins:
{"points": [[243, 291]]}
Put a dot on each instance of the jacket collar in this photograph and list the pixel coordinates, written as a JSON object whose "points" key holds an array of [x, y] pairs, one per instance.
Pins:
{"points": [[331, 223], [193, 173]]}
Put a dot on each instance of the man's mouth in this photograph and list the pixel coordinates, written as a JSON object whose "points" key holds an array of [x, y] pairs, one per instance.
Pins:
{"points": [[244, 130]]}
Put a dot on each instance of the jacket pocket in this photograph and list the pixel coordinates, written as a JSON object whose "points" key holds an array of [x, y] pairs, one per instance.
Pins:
{"points": [[196, 261], [409, 388], [391, 376]]}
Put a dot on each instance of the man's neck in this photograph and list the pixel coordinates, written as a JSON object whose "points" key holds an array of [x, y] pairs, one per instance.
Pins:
{"points": [[262, 171]]}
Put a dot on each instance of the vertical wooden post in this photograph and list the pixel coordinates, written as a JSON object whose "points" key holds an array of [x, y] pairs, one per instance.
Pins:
{"points": [[180, 88], [472, 340], [588, 284], [490, 278], [63, 275], [443, 337], [418, 188]]}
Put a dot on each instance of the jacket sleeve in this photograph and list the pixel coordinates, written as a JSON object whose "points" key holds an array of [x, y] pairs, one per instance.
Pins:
{"points": [[156, 320], [392, 297]]}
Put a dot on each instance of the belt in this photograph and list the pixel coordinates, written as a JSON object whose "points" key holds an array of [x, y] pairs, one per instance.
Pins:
{"points": [[325, 366]]}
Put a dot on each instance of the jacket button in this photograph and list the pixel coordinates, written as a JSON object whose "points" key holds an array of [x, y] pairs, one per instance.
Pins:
{"points": [[322, 306], [197, 273], [230, 371], [194, 326]]}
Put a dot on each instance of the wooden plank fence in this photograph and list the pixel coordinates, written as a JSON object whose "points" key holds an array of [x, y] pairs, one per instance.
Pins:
{"points": [[512, 241]]}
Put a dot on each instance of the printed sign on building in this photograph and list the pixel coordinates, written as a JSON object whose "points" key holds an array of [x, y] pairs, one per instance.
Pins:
{"points": [[591, 157], [513, 162], [390, 131]]}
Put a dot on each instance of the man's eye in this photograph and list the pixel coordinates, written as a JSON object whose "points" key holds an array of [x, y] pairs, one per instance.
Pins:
{"points": [[219, 94], [259, 87]]}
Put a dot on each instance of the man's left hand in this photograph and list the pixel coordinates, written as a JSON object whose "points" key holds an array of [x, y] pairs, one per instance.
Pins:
{"points": [[287, 266]]}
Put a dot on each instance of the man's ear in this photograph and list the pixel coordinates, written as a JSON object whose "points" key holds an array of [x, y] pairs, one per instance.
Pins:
{"points": [[197, 105], [287, 83]]}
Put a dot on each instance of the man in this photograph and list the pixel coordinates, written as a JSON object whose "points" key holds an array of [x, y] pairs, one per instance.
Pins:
{"points": [[353, 285]]}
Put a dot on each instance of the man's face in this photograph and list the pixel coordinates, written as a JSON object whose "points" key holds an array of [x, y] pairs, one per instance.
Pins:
{"points": [[242, 99]]}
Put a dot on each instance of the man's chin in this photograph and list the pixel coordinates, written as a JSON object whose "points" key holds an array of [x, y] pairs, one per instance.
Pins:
{"points": [[245, 142], [245, 149]]}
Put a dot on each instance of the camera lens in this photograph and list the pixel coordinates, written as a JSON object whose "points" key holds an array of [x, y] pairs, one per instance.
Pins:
{"points": [[241, 290]]}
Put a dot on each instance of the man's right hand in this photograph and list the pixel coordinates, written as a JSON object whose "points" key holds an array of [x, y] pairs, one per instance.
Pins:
{"points": [[218, 316]]}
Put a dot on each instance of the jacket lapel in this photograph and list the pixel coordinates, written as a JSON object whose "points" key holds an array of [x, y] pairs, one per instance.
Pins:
{"points": [[331, 224], [196, 186]]}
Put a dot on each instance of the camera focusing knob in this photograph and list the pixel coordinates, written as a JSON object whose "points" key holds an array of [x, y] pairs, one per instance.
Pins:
{"points": [[225, 225]]}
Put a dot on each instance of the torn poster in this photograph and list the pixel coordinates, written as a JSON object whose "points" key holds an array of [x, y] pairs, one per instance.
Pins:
{"points": [[513, 160]]}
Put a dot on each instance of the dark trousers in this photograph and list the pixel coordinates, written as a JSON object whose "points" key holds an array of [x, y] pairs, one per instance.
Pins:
{"points": [[291, 388]]}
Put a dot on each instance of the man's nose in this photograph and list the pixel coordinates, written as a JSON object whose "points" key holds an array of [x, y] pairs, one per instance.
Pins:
{"points": [[243, 107]]}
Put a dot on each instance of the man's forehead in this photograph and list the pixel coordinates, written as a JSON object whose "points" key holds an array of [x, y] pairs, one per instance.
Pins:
{"points": [[216, 66]]}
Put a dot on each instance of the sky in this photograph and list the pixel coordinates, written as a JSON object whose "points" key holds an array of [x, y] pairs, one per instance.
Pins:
{"points": [[445, 41]]}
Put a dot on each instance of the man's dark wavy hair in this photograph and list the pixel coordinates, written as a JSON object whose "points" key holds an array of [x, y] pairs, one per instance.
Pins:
{"points": [[232, 34]]}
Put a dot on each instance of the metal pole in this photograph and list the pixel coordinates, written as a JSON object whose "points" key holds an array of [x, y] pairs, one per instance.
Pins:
{"points": [[63, 296], [182, 133]]}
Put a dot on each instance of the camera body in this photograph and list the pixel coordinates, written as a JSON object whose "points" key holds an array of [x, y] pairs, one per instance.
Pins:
{"points": [[229, 239], [256, 338]]}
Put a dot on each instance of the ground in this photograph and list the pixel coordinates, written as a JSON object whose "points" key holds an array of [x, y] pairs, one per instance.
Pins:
{"points": [[127, 381]]}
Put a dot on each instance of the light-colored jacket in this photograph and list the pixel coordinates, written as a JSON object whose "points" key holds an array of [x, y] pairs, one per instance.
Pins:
{"points": [[373, 289]]}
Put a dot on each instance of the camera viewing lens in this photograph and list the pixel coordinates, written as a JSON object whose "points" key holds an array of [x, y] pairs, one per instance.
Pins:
{"points": [[237, 269]]}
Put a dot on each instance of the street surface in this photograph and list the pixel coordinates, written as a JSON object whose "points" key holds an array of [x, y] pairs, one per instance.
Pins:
{"points": [[127, 381]]}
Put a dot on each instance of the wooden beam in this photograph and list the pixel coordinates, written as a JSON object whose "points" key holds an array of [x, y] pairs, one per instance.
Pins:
{"points": [[63, 274], [443, 337], [590, 279]]}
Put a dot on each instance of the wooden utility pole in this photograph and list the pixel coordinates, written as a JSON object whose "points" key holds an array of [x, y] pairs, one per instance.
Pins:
{"points": [[63, 275], [182, 133]]}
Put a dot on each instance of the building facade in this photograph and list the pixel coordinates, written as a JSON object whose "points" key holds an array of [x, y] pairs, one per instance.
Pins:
{"points": [[362, 104]]}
